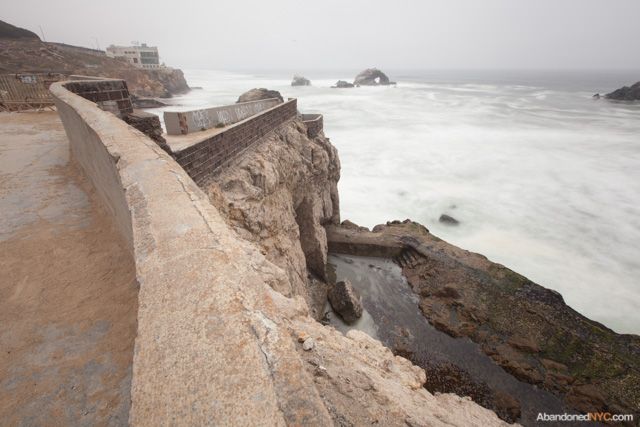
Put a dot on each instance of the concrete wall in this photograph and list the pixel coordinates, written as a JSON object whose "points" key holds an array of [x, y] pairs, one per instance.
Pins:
{"points": [[182, 123], [209, 348], [98, 163], [314, 123], [202, 159]]}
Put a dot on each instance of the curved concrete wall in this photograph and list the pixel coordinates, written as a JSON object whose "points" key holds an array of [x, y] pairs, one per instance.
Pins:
{"points": [[208, 350]]}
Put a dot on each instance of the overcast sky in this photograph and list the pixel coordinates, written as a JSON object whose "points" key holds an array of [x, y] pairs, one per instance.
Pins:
{"points": [[351, 34]]}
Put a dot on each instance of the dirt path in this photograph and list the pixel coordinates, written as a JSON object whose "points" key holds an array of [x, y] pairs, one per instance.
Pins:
{"points": [[68, 295]]}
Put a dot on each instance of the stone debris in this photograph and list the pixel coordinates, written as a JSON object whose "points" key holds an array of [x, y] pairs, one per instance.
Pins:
{"points": [[308, 344]]}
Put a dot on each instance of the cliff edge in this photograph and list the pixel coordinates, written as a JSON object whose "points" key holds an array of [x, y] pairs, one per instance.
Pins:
{"points": [[280, 195]]}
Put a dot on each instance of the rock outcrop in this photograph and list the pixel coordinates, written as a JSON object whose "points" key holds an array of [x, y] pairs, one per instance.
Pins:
{"points": [[525, 328], [372, 77], [280, 195], [341, 84], [257, 94], [448, 219], [8, 31], [626, 93], [362, 383], [300, 81], [345, 301]]}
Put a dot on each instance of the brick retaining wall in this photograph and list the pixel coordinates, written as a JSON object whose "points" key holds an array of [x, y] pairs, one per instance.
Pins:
{"points": [[202, 159], [110, 95]]}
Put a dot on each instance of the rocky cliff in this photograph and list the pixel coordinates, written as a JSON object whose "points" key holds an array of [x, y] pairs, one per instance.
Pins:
{"points": [[280, 195], [34, 56]]}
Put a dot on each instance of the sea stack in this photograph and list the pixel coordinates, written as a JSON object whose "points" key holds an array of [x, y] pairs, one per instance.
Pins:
{"points": [[372, 77], [300, 81], [341, 84]]}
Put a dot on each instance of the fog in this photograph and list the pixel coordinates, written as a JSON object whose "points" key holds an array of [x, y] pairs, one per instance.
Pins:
{"points": [[288, 34]]}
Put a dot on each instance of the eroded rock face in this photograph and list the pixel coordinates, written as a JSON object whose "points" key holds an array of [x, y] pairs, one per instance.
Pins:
{"points": [[280, 195], [300, 81], [362, 383], [345, 301], [257, 94], [372, 77], [626, 93], [525, 328]]}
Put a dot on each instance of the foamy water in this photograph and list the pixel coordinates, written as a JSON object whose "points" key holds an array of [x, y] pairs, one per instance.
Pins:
{"points": [[543, 179]]}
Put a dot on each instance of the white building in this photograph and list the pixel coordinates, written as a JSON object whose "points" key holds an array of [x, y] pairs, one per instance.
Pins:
{"points": [[142, 56]]}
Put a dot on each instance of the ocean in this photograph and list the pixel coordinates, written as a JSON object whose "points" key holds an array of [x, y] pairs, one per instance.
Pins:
{"points": [[542, 178]]}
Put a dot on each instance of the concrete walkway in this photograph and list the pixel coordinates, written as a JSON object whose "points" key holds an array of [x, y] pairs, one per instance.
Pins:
{"points": [[68, 296]]}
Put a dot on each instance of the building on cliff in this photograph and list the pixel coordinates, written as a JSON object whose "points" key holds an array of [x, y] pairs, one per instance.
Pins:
{"points": [[141, 56]]}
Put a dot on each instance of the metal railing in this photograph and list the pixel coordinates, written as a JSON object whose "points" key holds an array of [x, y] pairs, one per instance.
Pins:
{"points": [[20, 92]]}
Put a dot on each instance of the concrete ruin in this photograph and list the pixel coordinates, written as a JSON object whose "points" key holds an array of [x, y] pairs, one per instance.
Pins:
{"points": [[183, 123], [215, 342]]}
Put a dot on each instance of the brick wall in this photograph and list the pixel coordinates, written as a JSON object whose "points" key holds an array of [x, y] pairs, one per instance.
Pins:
{"points": [[314, 123], [149, 124], [201, 160], [110, 95]]}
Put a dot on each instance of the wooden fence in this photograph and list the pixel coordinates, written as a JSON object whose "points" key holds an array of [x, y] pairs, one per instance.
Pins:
{"points": [[26, 91]]}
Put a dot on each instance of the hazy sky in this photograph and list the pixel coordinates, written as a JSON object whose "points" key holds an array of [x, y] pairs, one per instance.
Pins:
{"points": [[351, 34]]}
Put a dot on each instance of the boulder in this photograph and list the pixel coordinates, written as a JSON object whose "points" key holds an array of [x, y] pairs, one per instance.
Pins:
{"points": [[257, 94], [341, 84], [626, 93], [372, 77], [300, 81], [448, 219], [345, 301]]}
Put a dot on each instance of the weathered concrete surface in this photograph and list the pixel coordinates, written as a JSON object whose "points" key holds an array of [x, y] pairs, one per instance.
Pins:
{"points": [[68, 295], [186, 122]]}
